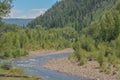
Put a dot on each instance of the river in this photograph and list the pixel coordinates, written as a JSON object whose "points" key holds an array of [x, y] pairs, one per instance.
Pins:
{"points": [[32, 65]]}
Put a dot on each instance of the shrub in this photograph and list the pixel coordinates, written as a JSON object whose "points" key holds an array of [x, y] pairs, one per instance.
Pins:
{"points": [[6, 66], [16, 53], [7, 54]]}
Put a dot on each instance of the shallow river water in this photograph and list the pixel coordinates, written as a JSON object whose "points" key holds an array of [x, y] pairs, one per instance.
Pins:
{"points": [[33, 67]]}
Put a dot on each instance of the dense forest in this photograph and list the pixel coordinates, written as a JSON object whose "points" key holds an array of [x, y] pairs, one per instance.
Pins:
{"points": [[76, 13], [91, 27]]}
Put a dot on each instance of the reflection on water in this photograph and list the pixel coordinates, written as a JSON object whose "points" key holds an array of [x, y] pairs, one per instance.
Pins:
{"points": [[33, 67]]}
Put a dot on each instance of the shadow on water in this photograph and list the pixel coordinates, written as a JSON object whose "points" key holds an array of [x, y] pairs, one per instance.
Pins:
{"points": [[33, 67]]}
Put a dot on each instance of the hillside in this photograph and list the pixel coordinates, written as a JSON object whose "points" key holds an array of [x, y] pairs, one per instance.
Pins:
{"points": [[76, 13]]}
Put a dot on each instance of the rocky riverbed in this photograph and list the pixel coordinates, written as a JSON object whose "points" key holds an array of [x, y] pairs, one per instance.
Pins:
{"points": [[89, 70]]}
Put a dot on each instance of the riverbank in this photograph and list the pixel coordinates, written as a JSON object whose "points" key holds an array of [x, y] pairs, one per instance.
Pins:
{"points": [[15, 74], [89, 70], [49, 52]]}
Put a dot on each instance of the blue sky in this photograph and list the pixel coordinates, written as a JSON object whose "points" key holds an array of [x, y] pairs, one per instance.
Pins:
{"points": [[30, 8]]}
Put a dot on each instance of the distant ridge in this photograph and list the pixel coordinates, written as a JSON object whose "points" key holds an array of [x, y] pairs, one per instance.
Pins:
{"points": [[17, 21]]}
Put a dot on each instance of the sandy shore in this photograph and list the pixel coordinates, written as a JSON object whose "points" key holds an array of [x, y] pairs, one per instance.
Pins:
{"points": [[49, 52], [89, 70]]}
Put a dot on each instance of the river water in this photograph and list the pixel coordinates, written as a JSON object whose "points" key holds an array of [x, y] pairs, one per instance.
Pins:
{"points": [[33, 67]]}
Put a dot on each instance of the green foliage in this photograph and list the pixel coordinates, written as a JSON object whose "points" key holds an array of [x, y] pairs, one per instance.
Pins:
{"points": [[101, 41], [5, 6], [15, 42], [110, 28], [6, 69], [84, 48]]}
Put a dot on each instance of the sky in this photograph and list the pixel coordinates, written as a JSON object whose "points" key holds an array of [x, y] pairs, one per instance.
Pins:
{"points": [[29, 8]]}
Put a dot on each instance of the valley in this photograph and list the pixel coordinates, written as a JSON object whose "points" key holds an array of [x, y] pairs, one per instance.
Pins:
{"points": [[71, 40]]}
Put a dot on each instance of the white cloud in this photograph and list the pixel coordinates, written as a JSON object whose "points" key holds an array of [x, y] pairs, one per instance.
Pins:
{"points": [[16, 13], [37, 12]]}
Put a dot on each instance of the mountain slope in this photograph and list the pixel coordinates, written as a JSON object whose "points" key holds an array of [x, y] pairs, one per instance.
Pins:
{"points": [[77, 13]]}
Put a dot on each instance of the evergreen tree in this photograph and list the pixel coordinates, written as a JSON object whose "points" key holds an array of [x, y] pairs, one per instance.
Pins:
{"points": [[5, 6]]}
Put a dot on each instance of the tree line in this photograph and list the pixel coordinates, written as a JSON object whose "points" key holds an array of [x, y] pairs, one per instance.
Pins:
{"points": [[16, 41]]}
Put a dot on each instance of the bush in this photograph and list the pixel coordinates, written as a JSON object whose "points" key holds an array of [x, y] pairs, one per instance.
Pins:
{"points": [[105, 68], [16, 53], [6, 66], [81, 56], [17, 71], [6, 54]]}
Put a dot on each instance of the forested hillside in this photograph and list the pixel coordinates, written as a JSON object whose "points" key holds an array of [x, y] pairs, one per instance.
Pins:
{"points": [[75, 13]]}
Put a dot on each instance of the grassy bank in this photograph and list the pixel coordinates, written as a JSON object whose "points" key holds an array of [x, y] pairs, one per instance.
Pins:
{"points": [[7, 72], [15, 74]]}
